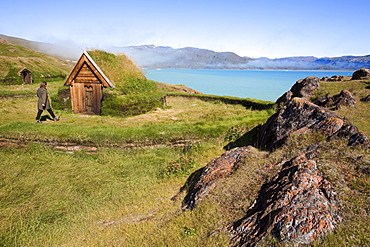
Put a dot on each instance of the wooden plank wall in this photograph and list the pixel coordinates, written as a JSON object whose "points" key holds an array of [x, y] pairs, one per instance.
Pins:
{"points": [[86, 81], [78, 97], [97, 98]]}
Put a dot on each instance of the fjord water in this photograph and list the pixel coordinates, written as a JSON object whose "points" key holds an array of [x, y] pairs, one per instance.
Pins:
{"points": [[257, 84]]}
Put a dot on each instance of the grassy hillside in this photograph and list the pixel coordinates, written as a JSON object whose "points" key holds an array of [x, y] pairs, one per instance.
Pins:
{"points": [[13, 58]]}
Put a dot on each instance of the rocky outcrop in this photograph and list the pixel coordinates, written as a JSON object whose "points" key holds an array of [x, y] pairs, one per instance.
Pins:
{"points": [[297, 206], [361, 74], [220, 167], [300, 115], [344, 98], [305, 87], [333, 78], [302, 88]]}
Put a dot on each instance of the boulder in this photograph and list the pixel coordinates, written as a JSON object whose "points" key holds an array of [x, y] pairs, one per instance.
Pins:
{"points": [[325, 78], [366, 99], [325, 101], [344, 98], [220, 167], [361, 74], [298, 206], [336, 78], [305, 87], [302, 88], [333, 78], [298, 116]]}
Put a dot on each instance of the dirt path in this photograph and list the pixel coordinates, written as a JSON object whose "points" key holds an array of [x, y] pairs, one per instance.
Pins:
{"points": [[74, 147]]}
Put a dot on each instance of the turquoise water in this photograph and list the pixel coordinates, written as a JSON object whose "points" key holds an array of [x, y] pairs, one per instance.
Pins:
{"points": [[257, 84]]}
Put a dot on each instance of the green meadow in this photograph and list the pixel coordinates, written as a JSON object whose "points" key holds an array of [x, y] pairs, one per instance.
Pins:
{"points": [[120, 194], [120, 187]]}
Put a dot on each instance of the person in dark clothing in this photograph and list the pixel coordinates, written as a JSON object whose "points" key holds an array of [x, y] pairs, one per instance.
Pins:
{"points": [[44, 103]]}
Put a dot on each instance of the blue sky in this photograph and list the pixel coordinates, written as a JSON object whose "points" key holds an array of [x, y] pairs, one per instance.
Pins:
{"points": [[258, 28]]}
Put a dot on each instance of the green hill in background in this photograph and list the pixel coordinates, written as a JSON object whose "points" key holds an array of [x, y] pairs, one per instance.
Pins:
{"points": [[14, 58]]}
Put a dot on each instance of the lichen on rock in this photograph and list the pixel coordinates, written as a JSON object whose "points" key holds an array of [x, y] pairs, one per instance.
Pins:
{"points": [[220, 167], [298, 114], [297, 206]]}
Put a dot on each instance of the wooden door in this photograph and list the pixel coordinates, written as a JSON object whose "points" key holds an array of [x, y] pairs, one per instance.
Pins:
{"points": [[89, 101], [78, 97], [93, 98]]}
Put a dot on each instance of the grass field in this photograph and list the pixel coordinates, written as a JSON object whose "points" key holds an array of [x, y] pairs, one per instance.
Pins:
{"points": [[120, 194]]}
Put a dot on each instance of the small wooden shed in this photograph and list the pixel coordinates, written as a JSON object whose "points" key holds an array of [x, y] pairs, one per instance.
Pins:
{"points": [[86, 82], [26, 76]]}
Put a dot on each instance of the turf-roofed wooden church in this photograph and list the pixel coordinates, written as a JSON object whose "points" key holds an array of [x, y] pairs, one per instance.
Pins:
{"points": [[87, 82]]}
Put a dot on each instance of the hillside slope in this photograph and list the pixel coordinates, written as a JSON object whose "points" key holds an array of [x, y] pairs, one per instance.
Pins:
{"points": [[65, 52], [14, 58]]}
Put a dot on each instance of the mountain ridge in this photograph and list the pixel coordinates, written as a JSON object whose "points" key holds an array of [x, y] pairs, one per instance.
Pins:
{"points": [[166, 57], [191, 58]]}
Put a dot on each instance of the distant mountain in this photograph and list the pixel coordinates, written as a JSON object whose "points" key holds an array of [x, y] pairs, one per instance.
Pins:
{"points": [[312, 63], [165, 57], [151, 56]]}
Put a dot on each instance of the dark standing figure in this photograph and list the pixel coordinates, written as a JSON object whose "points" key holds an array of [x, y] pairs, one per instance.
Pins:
{"points": [[44, 103]]}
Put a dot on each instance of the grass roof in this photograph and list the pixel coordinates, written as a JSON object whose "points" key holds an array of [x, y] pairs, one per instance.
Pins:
{"points": [[118, 68]]}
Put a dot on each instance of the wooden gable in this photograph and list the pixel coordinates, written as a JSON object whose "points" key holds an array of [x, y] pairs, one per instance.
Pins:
{"points": [[86, 82], [87, 71]]}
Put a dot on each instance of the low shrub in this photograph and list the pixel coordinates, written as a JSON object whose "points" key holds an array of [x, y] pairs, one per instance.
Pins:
{"points": [[130, 105], [136, 85], [62, 100], [135, 97]]}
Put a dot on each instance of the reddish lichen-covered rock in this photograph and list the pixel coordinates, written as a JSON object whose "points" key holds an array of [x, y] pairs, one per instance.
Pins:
{"points": [[297, 206], [220, 167]]}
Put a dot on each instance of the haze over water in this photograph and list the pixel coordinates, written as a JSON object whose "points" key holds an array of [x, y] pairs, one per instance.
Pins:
{"points": [[257, 84]]}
